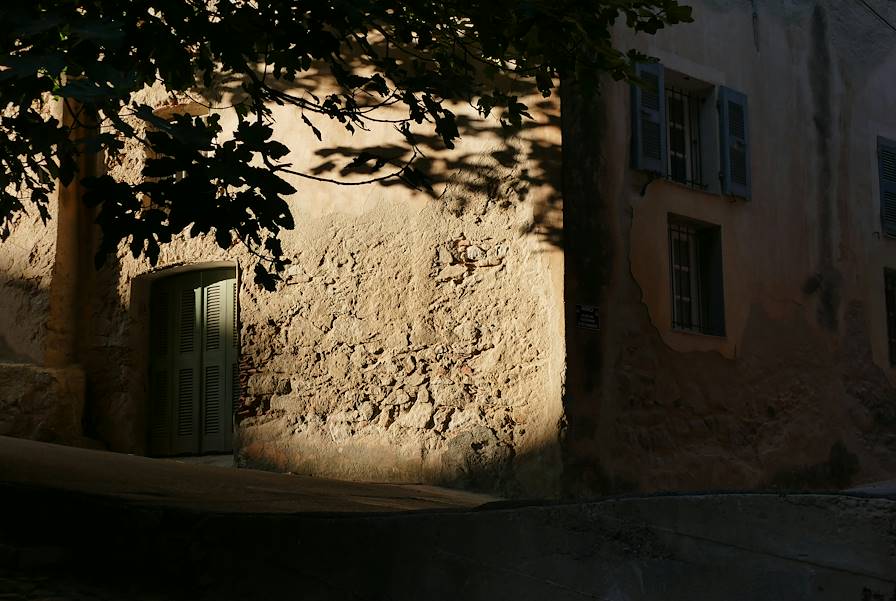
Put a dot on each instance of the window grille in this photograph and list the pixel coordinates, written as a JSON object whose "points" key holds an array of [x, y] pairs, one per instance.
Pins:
{"points": [[685, 277], [695, 261], [684, 142]]}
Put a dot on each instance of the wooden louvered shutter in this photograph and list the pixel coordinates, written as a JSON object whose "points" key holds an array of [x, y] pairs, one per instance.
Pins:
{"points": [[886, 167], [193, 364], [217, 360], [649, 120], [734, 143], [186, 348], [160, 416]]}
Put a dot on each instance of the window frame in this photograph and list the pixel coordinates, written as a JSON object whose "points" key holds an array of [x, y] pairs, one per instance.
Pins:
{"points": [[722, 143], [704, 296]]}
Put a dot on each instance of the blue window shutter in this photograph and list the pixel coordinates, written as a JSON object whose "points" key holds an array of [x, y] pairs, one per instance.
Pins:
{"points": [[649, 120], [734, 143], [886, 168]]}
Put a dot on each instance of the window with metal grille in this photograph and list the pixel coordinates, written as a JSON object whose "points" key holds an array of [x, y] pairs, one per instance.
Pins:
{"points": [[683, 140], [692, 132], [890, 295], [695, 259]]}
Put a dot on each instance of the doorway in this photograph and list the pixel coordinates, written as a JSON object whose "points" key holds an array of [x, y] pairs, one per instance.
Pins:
{"points": [[194, 356]]}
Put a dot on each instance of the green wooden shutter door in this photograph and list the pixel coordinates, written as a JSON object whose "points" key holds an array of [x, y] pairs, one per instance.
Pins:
{"points": [[649, 119], [886, 165], [193, 363], [161, 424], [217, 360], [734, 143], [186, 349]]}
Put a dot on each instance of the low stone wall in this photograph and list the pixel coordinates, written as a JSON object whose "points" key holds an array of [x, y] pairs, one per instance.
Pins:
{"points": [[41, 403]]}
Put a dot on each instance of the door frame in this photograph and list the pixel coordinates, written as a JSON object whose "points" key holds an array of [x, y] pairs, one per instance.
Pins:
{"points": [[141, 339]]}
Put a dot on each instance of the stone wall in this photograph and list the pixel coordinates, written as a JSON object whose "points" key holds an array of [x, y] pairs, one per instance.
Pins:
{"points": [[26, 271], [799, 393], [36, 401], [26, 268], [41, 403], [415, 338], [421, 355]]}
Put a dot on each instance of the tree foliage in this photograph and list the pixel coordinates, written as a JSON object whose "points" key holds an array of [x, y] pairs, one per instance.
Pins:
{"points": [[415, 55]]}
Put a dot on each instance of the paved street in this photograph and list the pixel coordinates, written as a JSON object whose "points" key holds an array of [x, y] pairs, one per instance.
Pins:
{"points": [[19, 586], [95, 526], [200, 486]]}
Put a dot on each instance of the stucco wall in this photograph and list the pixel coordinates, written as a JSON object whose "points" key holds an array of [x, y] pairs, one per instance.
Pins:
{"points": [[26, 271], [799, 391], [42, 403], [416, 338], [26, 267], [40, 398]]}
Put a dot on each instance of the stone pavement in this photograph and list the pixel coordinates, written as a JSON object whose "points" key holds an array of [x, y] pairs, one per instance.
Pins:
{"points": [[139, 533]]}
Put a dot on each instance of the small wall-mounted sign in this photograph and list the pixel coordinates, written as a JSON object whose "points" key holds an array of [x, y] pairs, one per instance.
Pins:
{"points": [[588, 317]]}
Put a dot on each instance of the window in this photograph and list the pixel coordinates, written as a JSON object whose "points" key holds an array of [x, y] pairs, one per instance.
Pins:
{"points": [[890, 295], [695, 259], [689, 131], [886, 167]]}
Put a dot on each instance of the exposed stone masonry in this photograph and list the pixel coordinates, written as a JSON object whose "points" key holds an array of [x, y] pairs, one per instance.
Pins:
{"points": [[411, 339], [428, 360]]}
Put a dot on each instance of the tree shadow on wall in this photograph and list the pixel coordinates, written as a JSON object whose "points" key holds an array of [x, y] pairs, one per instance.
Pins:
{"points": [[493, 169], [498, 164], [503, 167]]}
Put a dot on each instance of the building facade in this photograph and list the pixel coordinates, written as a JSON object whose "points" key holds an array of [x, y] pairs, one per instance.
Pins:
{"points": [[684, 285], [741, 215], [414, 338]]}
